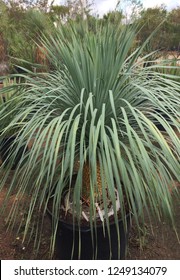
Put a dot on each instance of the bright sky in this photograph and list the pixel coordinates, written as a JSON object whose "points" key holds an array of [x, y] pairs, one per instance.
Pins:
{"points": [[169, 3], [104, 6]]}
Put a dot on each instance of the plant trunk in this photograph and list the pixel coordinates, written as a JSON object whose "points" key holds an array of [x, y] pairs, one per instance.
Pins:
{"points": [[86, 184]]}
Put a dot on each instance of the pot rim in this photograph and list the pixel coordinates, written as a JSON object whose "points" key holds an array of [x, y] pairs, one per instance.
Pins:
{"points": [[86, 228]]}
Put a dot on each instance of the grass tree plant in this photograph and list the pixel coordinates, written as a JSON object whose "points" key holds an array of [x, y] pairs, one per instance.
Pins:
{"points": [[94, 115]]}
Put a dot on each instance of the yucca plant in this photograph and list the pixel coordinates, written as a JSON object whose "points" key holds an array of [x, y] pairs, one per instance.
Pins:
{"points": [[96, 153]]}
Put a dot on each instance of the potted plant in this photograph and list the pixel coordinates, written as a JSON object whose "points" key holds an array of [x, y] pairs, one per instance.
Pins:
{"points": [[96, 158]]}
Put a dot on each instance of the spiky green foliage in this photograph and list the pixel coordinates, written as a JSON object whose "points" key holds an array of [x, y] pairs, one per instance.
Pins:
{"points": [[9, 100], [99, 106]]}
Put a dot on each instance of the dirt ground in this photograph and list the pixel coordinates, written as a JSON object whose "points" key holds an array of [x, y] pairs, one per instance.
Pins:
{"points": [[158, 241]]}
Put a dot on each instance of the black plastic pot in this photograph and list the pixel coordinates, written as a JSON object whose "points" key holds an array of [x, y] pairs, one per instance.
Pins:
{"points": [[66, 239], [70, 238], [6, 150]]}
